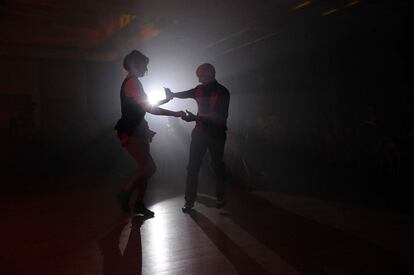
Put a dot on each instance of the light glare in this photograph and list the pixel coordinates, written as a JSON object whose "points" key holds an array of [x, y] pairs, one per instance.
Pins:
{"points": [[155, 96]]}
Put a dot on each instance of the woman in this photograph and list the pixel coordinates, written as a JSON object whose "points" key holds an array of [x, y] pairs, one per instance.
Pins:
{"points": [[133, 130]]}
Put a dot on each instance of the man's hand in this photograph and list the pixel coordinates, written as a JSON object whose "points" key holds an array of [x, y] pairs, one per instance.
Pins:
{"points": [[168, 94], [189, 117]]}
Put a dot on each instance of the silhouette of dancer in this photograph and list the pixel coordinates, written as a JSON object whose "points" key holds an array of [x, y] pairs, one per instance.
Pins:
{"points": [[133, 130], [209, 133]]}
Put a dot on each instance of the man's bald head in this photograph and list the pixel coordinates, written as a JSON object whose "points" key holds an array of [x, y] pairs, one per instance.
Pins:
{"points": [[206, 73]]}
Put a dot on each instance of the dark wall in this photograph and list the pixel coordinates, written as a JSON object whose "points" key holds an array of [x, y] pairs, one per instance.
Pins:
{"points": [[300, 110], [320, 67], [103, 86], [53, 109]]}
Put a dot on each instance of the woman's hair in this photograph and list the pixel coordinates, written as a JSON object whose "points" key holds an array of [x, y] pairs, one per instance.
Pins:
{"points": [[135, 57]]}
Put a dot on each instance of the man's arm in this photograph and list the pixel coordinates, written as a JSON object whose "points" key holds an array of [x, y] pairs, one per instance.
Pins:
{"points": [[210, 117], [170, 95], [134, 90], [222, 107], [218, 116], [185, 94]]}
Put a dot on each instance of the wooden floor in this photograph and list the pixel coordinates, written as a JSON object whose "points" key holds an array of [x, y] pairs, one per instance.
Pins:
{"points": [[79, 229]]}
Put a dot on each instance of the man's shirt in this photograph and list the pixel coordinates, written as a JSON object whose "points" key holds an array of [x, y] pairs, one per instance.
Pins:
{"points": [[211, 98]]}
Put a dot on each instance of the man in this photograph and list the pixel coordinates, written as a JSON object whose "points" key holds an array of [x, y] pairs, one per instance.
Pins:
{"points": [[209, 133]]}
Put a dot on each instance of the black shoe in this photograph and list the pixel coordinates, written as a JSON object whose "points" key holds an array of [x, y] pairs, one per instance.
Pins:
{"points": [[187, 207], [220, 204], [123, 199], [141, 210]]}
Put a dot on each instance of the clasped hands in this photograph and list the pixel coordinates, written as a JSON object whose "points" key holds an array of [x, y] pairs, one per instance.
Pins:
{"points": [[187, 115]]}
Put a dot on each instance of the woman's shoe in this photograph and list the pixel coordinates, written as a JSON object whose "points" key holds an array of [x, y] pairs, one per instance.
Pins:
{"points": [[141, 210]]}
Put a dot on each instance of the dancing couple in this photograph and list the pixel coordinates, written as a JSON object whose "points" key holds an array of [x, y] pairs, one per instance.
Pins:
{"points": [[209, 133]]}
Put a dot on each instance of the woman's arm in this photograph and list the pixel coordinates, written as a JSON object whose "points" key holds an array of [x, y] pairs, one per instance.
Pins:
{"points": [[161, 102], [135, 90], [163, 112]]}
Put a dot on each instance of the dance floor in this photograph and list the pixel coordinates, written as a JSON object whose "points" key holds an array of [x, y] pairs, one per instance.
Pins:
{"points": [[79, 229]]}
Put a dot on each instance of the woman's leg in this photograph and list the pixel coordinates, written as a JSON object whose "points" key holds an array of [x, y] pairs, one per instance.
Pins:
{"points": [[145, 168], [139, 207], [149, 170]]}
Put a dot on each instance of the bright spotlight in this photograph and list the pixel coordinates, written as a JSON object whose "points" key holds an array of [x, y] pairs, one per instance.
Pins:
{"points": [[156, 95]]}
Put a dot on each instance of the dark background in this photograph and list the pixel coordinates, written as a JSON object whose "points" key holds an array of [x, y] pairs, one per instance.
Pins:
{"points": [[305, 78]]}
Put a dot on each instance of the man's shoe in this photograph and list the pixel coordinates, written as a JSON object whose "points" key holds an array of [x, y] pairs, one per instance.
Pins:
{"points": [[220, 204], [141, 210], [123, 200], [187, 207]]}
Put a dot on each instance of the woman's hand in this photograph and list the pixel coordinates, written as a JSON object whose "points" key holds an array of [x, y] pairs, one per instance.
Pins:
{"points": [[180, 114]]}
